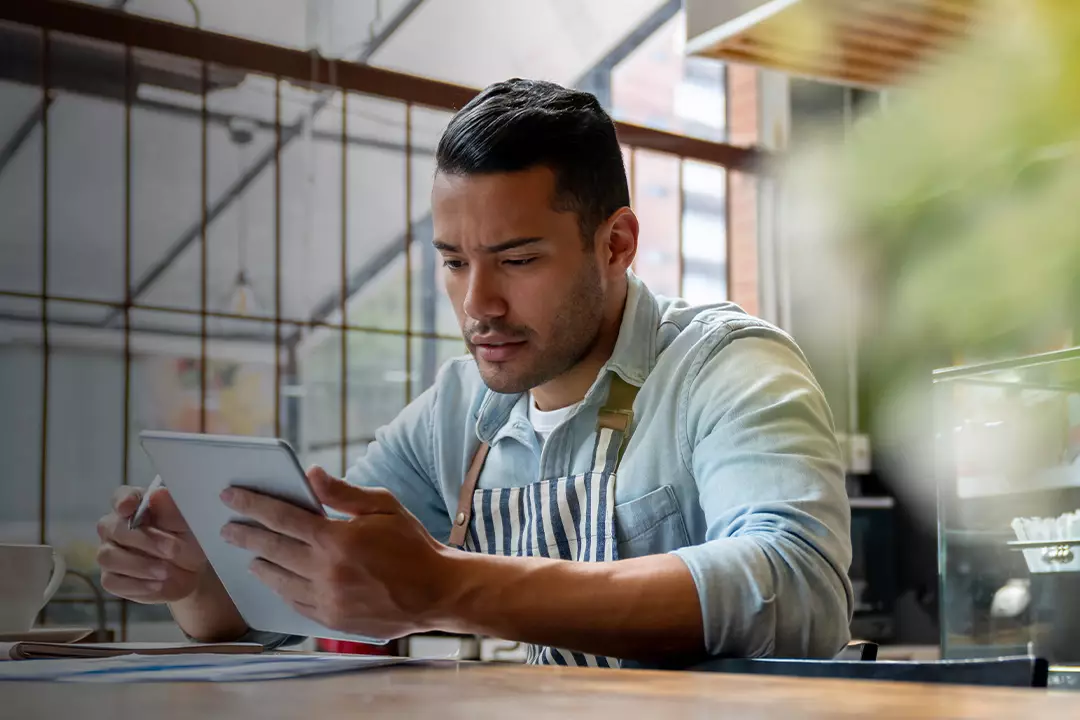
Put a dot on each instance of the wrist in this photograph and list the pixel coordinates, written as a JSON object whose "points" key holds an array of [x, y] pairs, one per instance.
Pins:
{"points": [[455, 585]]}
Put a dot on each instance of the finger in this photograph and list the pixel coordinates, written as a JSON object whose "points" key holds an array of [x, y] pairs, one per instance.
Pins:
{"points": [[114, 528], [166, 515], [281, 550], [125, 500], [178, 586], [180, 550], [274, 514], [116, 559], [131, 588], [351, 499], [290, 586]]}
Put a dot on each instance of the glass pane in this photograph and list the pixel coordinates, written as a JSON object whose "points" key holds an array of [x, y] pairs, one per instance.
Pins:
{"points": [[376, 213], [240, 378], [311, 228], [704, 233], [477, 42], [431, 308], [166, 191], [165, 381], [86, 172], [21, 373], [428, 356], [20, 182], [377, 389], [86, 435], [318, 357], [241, 268], [656, 203], [657, 85]]}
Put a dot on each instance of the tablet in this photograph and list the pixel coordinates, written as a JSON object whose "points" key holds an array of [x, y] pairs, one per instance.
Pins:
{"points": [[197, 468]]}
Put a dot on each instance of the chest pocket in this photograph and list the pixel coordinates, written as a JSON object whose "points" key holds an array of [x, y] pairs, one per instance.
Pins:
{"points": [[650, 524]]}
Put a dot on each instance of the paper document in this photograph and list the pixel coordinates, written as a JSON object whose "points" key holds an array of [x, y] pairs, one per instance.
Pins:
{"points": [[192, 668], [26, 650]]}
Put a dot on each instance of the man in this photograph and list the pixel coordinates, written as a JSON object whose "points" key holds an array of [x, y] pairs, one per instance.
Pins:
{"points": [[610, 476]]}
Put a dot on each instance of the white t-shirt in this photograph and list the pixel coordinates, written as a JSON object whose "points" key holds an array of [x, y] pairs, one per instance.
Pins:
{"points": [[544, 422]]}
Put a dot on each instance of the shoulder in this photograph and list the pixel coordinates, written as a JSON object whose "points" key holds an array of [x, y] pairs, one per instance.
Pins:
{"points": [[723, 336]]}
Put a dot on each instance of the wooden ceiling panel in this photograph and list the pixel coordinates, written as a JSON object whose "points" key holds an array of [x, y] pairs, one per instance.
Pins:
{"points": [[874, 43]]}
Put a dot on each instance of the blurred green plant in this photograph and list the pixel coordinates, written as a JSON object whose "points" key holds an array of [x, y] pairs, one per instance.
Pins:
{"points": [[957, 207]]}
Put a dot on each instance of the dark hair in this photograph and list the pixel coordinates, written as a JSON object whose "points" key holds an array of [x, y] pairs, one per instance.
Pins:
{"points": [[521, 124]]}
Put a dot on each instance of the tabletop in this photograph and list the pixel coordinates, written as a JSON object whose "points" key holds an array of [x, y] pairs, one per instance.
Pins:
{"points": [[477, 691]]}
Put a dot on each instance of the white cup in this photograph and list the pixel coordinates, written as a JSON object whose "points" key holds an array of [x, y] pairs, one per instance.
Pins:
{"points": [[29, 576]]}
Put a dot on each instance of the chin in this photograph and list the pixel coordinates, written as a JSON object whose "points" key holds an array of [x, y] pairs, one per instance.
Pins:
{"points": [[502, 379]]}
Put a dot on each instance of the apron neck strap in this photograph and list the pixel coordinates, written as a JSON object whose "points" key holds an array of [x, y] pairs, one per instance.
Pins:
{"points": [[616, 417]]}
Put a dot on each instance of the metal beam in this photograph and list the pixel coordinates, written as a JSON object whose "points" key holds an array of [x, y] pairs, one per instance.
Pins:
{"points": [[238, 186], [23, 132], [597, 79], [369, 271]]}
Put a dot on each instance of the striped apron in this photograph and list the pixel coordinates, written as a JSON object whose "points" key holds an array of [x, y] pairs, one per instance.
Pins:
{"points": [[569, 518]]}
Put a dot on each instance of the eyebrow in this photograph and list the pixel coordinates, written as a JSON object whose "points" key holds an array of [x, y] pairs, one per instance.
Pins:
{"points": [[490, 249]]}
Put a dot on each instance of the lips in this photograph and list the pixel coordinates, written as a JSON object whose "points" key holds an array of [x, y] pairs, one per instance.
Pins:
{"points": [[497, 350]]}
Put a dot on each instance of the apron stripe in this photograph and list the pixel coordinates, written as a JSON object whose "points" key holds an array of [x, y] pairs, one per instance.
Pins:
{"points": [[559, 518], [516, 521], [480, 528], [590, 524], [558, 656], [590, 660], [602, 661], [602, 542], [600, 450], [535, 528], [502, 523], [573, 506], [489, 521], [526, 523], [473, 541], [579, 659], [547, 536]]}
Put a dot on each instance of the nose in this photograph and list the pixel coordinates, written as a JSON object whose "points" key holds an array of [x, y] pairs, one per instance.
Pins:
{"points": [[483, 298]]}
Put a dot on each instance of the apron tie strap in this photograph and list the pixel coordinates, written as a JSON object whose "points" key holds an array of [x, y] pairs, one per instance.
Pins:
{"points": [[460, 521]]}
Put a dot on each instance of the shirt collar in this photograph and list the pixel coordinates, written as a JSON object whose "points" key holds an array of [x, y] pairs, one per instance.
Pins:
{"points": [[632, 359]]}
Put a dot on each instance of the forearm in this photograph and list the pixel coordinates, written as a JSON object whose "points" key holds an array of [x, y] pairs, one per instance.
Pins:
{"points": [[208, 614], [638, 608]]}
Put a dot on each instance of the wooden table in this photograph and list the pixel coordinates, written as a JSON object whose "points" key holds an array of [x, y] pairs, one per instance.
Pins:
{"points": [[474, 691]]}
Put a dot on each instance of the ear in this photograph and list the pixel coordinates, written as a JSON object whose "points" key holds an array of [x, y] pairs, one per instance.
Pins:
{"points": [[616, 241]]}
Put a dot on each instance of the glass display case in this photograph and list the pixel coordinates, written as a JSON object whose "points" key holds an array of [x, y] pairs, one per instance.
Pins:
{"points": [[1008, 438]]}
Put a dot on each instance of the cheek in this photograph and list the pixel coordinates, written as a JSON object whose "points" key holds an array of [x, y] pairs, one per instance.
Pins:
{"points": [[455, 289]]}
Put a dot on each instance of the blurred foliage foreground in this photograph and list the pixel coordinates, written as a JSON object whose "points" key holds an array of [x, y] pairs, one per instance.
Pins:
{"points": [[956, 208]]}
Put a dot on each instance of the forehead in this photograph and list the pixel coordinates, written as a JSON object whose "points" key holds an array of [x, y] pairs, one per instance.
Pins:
{"points": [[494, 198]]}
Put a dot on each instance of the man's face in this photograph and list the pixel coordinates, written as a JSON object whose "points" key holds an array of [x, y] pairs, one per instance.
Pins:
{"points": [[528, 295]]}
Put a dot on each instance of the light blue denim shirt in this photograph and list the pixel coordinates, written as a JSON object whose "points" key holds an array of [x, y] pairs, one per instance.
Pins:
{"points": [[732, 465]]}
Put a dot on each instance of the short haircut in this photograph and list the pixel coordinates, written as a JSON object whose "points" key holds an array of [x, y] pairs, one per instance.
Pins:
{"points": [[521, 124]]}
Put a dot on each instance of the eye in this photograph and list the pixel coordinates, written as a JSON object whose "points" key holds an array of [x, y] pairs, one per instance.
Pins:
{"points": [[453, 264], [519, 262]]}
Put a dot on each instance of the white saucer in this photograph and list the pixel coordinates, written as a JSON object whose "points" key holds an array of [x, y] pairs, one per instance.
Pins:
{"points": [[52, 635]]}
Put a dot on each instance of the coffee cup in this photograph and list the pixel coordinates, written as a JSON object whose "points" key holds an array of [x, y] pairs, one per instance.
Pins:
{"points": [[29, 576]]}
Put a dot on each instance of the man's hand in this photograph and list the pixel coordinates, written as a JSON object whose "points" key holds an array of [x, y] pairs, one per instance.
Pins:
{"points": [[158, 562], [378, 573]]}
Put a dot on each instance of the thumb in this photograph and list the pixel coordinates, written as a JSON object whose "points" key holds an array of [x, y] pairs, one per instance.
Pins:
{"points": [[351, 499]]}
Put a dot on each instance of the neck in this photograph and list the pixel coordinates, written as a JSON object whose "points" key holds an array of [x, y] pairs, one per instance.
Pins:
{"points": [[571, 386]]}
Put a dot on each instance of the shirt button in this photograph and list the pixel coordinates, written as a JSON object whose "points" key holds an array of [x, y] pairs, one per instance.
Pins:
{"points": [[460, 519]]}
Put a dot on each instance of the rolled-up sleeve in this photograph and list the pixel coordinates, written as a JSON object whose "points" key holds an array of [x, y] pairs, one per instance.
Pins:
{"points": [[758, 437]]}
